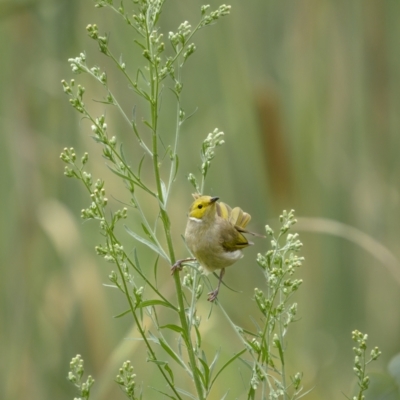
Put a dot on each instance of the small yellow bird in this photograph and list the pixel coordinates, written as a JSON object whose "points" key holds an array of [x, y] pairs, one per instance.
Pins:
{"points": [[214, 234]]}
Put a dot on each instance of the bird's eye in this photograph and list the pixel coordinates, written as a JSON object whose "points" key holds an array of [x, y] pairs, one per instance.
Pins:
{"points": [[200, 206]]}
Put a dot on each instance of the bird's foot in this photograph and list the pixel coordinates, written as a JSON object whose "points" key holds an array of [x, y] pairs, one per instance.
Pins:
{"points": [[212, 296], [178, 265]]}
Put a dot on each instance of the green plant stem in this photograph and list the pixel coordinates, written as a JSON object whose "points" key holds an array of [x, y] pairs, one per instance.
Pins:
{"points": [[235, 328], [143, 333], [154, 87], [283, 371], [173, 167], [362, 376], [132, 124], [132, 83], [127, 295], [193, 300], [266, 325], [135, 179]]}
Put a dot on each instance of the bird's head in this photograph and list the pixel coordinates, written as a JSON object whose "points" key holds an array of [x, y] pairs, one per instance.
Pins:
{"points": [[202, 207]]}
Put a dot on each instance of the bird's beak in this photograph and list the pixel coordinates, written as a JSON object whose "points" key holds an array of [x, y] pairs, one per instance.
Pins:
{"points": [[213, 199]]}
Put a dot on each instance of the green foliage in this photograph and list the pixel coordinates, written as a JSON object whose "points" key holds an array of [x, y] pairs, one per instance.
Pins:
{"points": [[264, 350], [381, 385], [268, 345], [147, 85], [361, 361], [207, 153], [75, 376], [126, 380]]}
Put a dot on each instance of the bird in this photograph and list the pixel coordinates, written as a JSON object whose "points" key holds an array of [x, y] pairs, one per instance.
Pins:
{"points": [[215, 236]]}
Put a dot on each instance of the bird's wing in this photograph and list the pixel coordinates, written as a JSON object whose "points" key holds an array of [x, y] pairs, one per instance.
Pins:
{"points": [[223, 210], [241, 230], [232, 239], [237, 217]]}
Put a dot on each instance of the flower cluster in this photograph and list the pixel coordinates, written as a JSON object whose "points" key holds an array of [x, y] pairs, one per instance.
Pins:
{"points": [[75, 376], [360, 362], [268, 346], [207, 153], [208, 19], [213, 140], [126, 380]]}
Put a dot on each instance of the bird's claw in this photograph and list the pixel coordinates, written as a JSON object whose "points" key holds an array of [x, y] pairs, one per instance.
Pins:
{"points": [[176, 267], [212, 296]]}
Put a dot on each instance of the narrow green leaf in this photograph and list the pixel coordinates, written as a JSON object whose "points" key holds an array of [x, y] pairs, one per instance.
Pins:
{"points": [[203, 356], [140, 165], [148, 124], [140, 73], [153, 338], [164, 190], [165, 394], [180, 341], [155, 271], [176, 167], [206, 370], [175, 93], [170, 373], [102, 101], [151, 245], [140, 44], [110, 286], [171, 352], [252, 346], [173, 327], [134, 115], [122, 314], [150, 303], [224, 284], [224, 396], [135, 256], [198, 335], [252, 394], [281, 356], [145, 95], [122, 152], [123, 176], [202, 377], [135, 181], [147, 233], [158, 362], [231, 360], [153, 312], [190, 115], [248, 364], [186, 393], [161, 204], [214, 361], [256, 325], [311, 389]]}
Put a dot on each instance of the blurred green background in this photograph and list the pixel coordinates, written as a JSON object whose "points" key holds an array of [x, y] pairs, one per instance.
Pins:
{"points": [[308, 95]]}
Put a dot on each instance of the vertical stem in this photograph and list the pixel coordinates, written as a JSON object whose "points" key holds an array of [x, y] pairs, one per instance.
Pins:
{"points": [[110, 243], [283, 371], [173, 167], [143, 334], [154, 88]]}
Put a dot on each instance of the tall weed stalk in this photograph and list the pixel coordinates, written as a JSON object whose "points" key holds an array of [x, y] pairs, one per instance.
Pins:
{"points": [[263, 348]]}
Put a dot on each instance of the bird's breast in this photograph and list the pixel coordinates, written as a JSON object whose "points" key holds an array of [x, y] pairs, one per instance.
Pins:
{"points": [[207, 247]]}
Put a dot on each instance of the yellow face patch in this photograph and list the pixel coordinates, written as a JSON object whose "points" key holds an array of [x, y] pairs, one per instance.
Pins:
{"points": [[201, 206]]}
